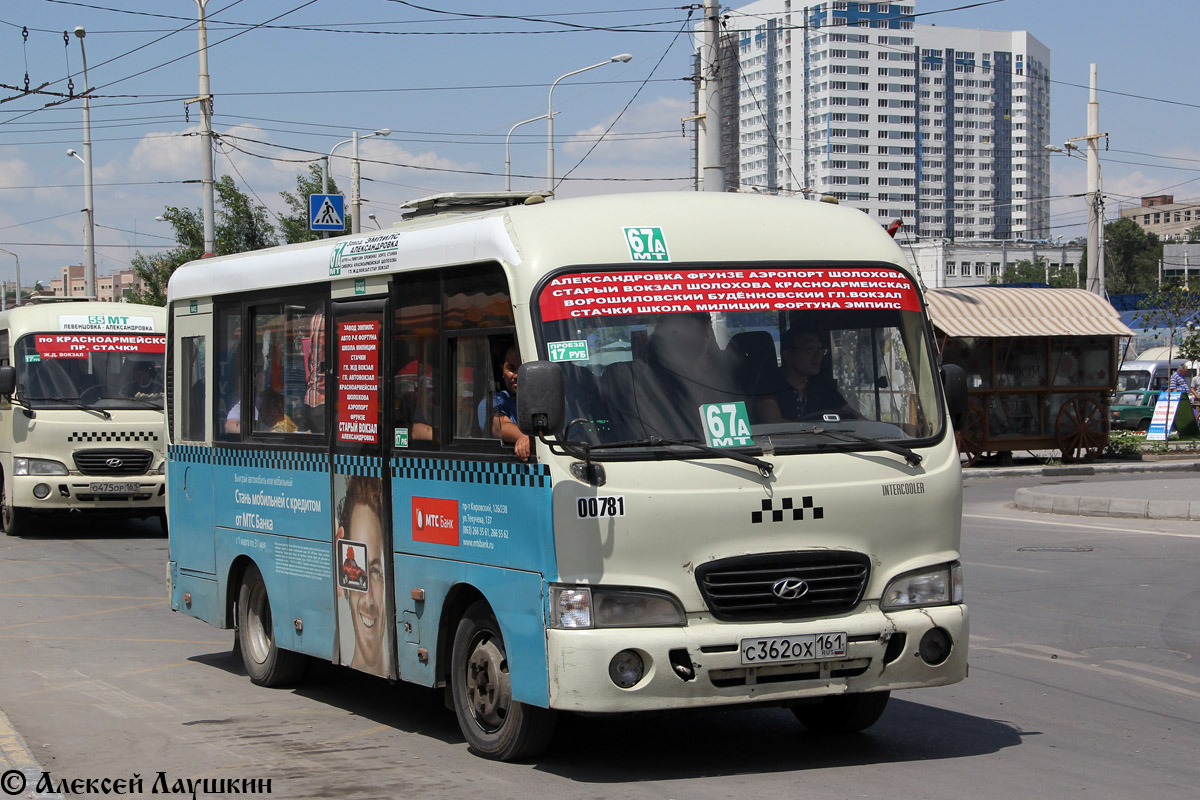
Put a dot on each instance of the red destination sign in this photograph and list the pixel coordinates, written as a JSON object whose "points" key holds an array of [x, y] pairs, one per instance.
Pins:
{"points": [[593, 294], [358, 382]]}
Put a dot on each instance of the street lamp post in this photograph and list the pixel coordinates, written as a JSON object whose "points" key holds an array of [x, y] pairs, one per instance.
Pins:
{"points": [[3, 294], [355, 195], [623, 57], [89, 241], [507, 160], [89, 233]]}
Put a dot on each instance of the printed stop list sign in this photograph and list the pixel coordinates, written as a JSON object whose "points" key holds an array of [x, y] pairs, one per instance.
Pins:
{"points": [[592, 294], [358, 381]]}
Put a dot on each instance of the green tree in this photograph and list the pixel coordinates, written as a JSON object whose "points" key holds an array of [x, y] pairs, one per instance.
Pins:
{"points": [[1168, 309], [294, 225], [1023, 271], [1193, 234], [240, 225], [1131, 257]]}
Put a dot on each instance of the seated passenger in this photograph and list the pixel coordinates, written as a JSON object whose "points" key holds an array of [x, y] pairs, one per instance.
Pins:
{"points": [[144, 382], [504, 407], [808, 393]]}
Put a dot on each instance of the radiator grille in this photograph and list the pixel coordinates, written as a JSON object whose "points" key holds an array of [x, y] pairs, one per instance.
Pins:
{"points": [[741, 588], [113, 462]]}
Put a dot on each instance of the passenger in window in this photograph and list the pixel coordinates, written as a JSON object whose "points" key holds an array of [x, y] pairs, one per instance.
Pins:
{"points": [[809, 394], [504, 407], [314, 370]]}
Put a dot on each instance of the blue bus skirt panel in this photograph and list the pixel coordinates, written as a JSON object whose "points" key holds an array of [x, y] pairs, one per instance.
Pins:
{"points": [[516, 599], [298, 576], [204, 594], [190, 508], [490, 512]]}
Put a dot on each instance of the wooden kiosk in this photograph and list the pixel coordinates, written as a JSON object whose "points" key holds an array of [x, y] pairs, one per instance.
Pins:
{"points": [[1040, 364]]}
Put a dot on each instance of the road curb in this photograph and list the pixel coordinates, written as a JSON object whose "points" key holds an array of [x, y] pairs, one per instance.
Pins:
{"points": [[16, 757], [1082, 469], [1126, 507]]}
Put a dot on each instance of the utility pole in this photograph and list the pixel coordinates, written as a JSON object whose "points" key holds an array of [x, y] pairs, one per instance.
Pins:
{"points": [[4, 294], [709, 124], [205, 101], [1095, 199], [355, 190], [89, 233]]}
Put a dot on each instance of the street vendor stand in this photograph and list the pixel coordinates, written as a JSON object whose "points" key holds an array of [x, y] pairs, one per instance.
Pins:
{"points": [[1040, 365]]}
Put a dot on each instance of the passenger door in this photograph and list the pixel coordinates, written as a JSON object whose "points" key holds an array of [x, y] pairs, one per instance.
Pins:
{"points": [[189, 468], [361, 527]]}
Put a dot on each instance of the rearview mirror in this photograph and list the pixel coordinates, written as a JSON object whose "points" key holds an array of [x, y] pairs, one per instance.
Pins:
{"points": [[539, 398], [8, 380]]}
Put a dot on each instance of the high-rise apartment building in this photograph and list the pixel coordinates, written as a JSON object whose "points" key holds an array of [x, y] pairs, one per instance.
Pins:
{"points": [[943, 128]]}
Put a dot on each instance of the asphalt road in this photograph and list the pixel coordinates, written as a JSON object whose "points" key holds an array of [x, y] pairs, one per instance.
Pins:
{"points": [[1085, 681]]}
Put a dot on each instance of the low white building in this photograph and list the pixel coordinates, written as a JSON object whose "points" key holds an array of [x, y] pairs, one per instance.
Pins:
{"points": [[945, 263]]}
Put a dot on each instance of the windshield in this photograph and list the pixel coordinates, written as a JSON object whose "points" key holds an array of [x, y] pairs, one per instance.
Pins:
{"points": [[739, 357], [102, 370], [1133, 380]]}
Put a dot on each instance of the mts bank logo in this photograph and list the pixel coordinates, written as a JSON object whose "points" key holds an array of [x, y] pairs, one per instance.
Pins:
{"points": [[435, 520]]}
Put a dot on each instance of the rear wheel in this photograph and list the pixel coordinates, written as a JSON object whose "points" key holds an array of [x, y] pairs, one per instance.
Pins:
{"points": [[266, 663], [494, 725], [843, 713]]}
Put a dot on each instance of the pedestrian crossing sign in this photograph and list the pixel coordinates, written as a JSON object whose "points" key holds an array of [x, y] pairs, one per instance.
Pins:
{"points": [[327, 212]]}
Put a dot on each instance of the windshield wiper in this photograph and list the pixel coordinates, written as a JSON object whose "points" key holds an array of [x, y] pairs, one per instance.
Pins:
{"points": [[765, 468], [86, 407], [135, 399], [911, 456]]}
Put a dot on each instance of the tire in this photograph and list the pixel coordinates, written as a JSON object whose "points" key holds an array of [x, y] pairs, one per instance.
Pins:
{"points": [[266, 663], [1143, 425], [14, 520], [843, 713], [494, 725]]}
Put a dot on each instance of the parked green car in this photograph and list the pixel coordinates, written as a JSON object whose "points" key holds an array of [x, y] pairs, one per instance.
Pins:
{"points": [[1132, 410]]}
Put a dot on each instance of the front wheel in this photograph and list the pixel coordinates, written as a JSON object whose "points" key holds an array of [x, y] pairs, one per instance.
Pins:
{"points": [[494, 725], [14, 520], [843, 713], [266, 663]]}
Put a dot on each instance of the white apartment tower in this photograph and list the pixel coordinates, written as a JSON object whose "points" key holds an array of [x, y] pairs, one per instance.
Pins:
{"points": [[943, 128]]}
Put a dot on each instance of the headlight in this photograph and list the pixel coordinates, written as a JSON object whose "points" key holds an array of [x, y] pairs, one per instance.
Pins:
{"points": [[38, 466], [934, 586], [602, 607]]}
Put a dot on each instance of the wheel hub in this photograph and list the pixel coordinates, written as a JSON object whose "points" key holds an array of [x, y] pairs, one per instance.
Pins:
{"points": [[488, 688]]}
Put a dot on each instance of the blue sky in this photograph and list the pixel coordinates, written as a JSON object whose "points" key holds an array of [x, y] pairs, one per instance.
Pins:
{"points": [[450, 87]]}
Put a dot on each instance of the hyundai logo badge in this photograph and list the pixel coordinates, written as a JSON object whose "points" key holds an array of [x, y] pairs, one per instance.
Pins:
{"points": [[789, 588], [114, 463]]}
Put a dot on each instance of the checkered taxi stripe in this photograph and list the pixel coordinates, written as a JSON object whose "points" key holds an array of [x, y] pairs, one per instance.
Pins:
{"points": [[459, 471], [272, 459], [189, 454], [370, 466], [113, 436]]}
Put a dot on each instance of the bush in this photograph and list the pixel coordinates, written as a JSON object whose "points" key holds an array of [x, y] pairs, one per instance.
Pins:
{"points": [[1124, 444]]}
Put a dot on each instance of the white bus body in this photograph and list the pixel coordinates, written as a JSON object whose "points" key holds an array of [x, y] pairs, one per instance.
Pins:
{"points": [[605, 573], [82, 427]]}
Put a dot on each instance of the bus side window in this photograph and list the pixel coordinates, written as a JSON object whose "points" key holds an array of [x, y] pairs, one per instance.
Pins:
{"points": [[417, 361], [479, 317], [229, 371], [191, 412]]}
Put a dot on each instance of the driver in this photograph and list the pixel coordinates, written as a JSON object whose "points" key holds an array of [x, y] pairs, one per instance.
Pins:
{"points": [[808, 393], [144, 382]]}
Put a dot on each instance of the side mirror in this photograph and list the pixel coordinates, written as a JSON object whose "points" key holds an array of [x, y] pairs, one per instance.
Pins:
{"points": [[954, 379], [8, 380], [540, 406]]}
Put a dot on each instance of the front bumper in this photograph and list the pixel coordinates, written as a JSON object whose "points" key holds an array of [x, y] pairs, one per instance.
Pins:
{"points": [[137, 493], [579, 659]]}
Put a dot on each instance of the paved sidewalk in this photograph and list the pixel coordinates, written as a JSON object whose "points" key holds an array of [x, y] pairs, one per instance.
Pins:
{"points": [[1164, 489]]}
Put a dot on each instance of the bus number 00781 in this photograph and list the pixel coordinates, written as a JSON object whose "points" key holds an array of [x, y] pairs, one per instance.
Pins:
{"points": [[593, 507]]}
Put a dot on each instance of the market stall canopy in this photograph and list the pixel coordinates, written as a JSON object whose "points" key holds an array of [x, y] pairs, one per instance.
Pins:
{"points": [[992, 311]]}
